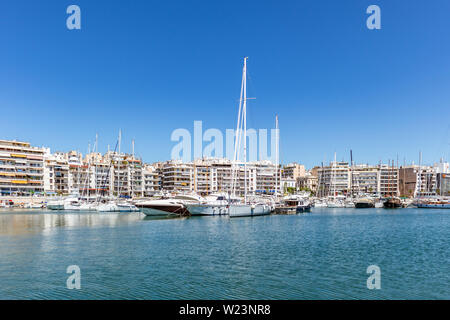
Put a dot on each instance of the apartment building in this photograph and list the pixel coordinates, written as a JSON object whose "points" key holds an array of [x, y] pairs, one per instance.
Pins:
{"points": [[389, 180], [125, 175], [79, 177], [365, 179], [293, 171], [151, 180], [443, 184], [308, 182], [423, 181], [202, 177], [268, 178], [56, 173], [21, 168], [333, 179], [340, 178], [177, 176]]}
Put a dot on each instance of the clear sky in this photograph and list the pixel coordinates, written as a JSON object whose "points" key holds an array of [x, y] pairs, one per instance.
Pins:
{"points": [[150, 67]]}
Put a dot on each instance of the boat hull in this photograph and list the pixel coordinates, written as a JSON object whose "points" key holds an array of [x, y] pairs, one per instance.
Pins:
{"points": [[364, 205], [392, 204], [163, 210], [248, 210], [433, 205], [55, 206], [301, 209], [286, 210], [108, 208], [207, 210]]}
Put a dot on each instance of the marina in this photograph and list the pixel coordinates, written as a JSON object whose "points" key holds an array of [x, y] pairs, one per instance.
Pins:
{"points": [[228, 157]]}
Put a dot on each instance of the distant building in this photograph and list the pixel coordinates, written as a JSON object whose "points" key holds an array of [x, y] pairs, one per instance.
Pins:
{"points": [[389, 185], [340, 178], [293, 171], [56, 173], [443, 183], [307, 182], [21, 168], [365, 179], [151, 180], [424, 181], [333, 179]]}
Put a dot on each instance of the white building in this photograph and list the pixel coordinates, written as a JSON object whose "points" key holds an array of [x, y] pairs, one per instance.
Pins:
{"points": [[21, 168]]}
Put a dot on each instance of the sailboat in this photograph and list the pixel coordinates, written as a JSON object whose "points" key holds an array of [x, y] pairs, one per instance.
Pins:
{"points": [[231, 207], [244, 209], [333, 202]]}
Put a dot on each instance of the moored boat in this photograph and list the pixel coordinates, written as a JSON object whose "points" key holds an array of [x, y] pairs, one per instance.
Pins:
{"points": [[364, 203], [433, 203], [161, 207], [287, 205], [248, 210], [304, 205], [392, 203]]}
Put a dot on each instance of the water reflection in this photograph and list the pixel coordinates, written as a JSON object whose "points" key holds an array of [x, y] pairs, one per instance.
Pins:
{"points": [[34, 222], [167, 217]]}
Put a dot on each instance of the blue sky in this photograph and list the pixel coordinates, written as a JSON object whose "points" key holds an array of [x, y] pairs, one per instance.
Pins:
{"points": [[150, 67]]}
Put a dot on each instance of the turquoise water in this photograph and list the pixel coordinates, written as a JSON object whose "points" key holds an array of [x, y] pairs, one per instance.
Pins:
{"points": [[320, 255]]}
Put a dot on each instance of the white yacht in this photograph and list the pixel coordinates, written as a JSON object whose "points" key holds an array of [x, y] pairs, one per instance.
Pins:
{"points": [[349, 203], [249, 210], [116, 206], [162, 207], [126, 207], [88, 206], [320, 203], [212, 205], [110, 206], [244, 209], [58, 203], [73, 205], [335, 204]]}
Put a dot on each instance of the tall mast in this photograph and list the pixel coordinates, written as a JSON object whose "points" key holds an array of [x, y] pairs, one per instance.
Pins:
{"points": [[419, 183], [118, 164], [334, 177], [237, 144], [120, 138], [95, 164], [276, 155], [351, 174], [131, 171], [245, 129]]}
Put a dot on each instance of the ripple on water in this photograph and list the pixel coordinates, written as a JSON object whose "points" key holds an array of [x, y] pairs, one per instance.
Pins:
{"points": [[320, 255]]}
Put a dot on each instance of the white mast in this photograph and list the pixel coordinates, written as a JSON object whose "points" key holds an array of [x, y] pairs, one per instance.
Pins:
{"points": [[276, 156], [334, 177], [132, 170], [95, 164], [237, 144], [245, 130], [120, 138], [118, 164], [419, 178]]}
